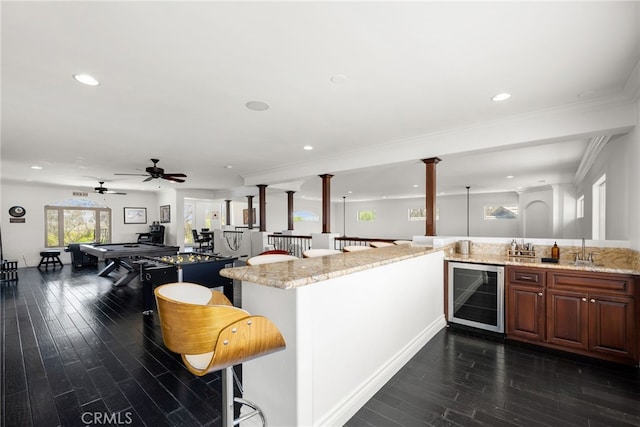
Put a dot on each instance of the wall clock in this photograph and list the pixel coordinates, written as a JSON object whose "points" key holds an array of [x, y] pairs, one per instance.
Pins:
{"points": [[17, 211]]}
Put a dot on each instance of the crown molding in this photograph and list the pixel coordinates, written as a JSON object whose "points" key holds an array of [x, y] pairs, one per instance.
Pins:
{"points": [[632, 86], [596, 144]]}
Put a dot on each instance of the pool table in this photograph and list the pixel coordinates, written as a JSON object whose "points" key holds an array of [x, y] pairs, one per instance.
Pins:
{"points": [[122, 255]]}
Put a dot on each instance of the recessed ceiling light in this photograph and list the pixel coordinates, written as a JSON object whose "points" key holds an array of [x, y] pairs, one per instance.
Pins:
{"points": [[257, 105], [509, 176], [307, 147], [416, 185], [86, 79], [36, 167], [501, 97], [349, 192], [228, 167]]}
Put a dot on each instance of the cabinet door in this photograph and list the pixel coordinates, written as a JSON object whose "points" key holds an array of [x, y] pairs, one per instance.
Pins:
{"points": [[568, 319], [525, 312], [611, 326]]}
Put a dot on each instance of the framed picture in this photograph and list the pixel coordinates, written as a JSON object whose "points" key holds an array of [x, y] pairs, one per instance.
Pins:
{"points": [[165, 213], [245, 215], [135, 215]]}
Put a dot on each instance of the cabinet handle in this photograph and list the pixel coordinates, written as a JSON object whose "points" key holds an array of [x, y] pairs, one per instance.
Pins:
{"points": [[526, 277], [584, 299], [592, 300], [540, 294]]}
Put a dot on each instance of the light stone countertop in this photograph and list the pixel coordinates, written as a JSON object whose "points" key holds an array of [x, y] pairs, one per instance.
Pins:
{"points": [[610, 264], [306, 271]]}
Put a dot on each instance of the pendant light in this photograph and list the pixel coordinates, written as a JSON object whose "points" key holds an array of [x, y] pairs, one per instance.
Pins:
{"points": [[468, 187]]}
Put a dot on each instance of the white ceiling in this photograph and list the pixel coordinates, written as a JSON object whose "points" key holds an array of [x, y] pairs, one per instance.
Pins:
{"points": [[175, 78]]}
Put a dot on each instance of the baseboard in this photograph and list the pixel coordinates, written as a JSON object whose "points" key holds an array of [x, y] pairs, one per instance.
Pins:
{"points": [[347, 408]]}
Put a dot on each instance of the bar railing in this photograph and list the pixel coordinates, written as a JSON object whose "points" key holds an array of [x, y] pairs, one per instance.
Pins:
{"points": [[233, 238], [294, 245], [341, 242]]}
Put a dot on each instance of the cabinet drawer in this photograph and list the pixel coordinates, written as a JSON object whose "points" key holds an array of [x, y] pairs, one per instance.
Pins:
{"points": [[587, 281], [526, 276]]}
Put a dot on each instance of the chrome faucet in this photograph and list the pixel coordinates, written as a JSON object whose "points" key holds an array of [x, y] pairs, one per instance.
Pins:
{"points": [[582, 259]]}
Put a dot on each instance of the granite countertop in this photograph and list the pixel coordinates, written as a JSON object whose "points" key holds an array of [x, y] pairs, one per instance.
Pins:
{"points": [[305, 271], [610, 264]]}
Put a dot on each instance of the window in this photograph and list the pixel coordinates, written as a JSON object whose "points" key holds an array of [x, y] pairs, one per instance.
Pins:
{"points": [[366, 216], [76, 221], [580, 207], [299, 216], [500, 212], [419, 214], [188, 223]]}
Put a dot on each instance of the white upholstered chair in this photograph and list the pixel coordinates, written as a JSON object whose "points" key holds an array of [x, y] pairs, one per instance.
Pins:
{"points": [[356, 248], [270, 258], [312, 253]]}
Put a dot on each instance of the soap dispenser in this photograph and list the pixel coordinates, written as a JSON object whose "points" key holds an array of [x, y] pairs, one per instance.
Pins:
{"points": [[555, 251]]}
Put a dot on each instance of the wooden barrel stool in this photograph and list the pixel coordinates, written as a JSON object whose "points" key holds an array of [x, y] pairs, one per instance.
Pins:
{"points": [[50, 257]]}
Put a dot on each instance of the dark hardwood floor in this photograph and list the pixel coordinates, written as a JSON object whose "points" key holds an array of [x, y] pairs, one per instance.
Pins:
{"points": [[74, 348]]}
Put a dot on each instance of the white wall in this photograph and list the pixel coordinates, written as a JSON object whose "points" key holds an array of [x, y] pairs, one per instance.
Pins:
{"points": [[391, 222], [168, 197], [453, 215], [633, 160], [24, 241], [392, 217], [617, 162]]}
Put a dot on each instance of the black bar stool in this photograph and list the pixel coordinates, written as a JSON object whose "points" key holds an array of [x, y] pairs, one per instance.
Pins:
{"points": [[50, 257]]}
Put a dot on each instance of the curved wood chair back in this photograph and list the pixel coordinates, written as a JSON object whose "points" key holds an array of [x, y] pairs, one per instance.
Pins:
{"points": [[208, 331]]}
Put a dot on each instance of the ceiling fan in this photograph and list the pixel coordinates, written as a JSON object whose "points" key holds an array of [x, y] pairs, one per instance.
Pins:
{"points": [[156, 172], [105, 190]]}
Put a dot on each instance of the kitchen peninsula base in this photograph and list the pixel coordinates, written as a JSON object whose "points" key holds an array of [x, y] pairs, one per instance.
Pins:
{"points": [[346, 337]]}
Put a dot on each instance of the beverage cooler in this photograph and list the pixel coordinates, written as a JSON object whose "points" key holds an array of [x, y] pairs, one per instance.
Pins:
{"points": [[476, 296]]}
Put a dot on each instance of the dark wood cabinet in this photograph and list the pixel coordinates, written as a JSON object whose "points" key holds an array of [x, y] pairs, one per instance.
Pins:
{"points": [[525, 304], [612, 329], [567, 319], [589, 313]]}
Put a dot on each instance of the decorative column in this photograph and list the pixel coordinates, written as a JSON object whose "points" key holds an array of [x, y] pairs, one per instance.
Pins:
{"points": [[430, 195], [228, 211], [290, 209], [326, 202], [250, 212], [263, 206]]}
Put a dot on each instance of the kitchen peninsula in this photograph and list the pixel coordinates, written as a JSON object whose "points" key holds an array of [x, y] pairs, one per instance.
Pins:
{"points": [[350, 322]]}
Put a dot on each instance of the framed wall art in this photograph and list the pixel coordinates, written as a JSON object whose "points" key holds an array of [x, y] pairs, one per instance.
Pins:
{"points": [[135, 215], [165, 214]]}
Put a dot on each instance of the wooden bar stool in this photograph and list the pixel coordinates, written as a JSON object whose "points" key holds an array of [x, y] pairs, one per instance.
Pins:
{"points": [[50, 257], [211, 335]]}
